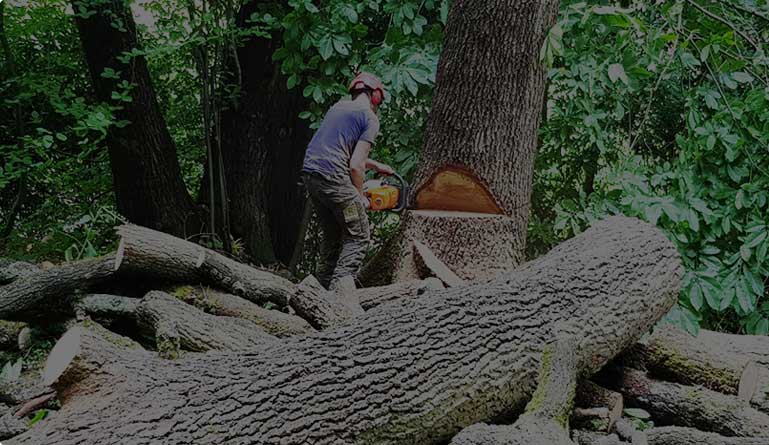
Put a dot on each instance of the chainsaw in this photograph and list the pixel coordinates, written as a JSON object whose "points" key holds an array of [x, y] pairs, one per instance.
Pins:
{"points": [[387, 194]]}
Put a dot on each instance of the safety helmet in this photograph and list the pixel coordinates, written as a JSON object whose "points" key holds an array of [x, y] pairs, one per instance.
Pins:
{"points": [[368, 81]]}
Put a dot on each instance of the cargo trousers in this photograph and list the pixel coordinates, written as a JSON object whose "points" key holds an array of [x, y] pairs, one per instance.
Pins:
{"points": [[345, 226]]}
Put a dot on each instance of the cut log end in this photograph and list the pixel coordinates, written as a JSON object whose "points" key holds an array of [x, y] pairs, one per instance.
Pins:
{"points": [[63, 354], [456, 189]]}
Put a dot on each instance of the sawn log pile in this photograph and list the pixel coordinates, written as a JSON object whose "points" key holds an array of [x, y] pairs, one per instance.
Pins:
{"points": [[169, 342]]}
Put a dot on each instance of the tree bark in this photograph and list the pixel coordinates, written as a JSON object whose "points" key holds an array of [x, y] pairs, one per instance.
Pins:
{"points": [[263, 145], [150, 253], [546, 419], [323, 309], [481, 139], [690, 436], [148, 185], [411, 373], [273, 322], [46, 294], [15, 270], [177, 325], [372, 297], [696, 407], [714, 360]]}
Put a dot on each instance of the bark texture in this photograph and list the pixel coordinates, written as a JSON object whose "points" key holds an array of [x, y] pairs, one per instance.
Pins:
{"points": [[214, 302], [145, 170], [696, 407], [690, 436], [472, 246], [47, 293], [163, 256], [546, 419], [263, 145], [108, 306], [177, 325], [714, 360], [371, 297], [18, 269], [323, 309], [412, 373]]}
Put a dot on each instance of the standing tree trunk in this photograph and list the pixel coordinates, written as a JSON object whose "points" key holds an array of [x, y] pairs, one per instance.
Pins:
{"points": [[473, 182], [149, 189], [263, 145]]}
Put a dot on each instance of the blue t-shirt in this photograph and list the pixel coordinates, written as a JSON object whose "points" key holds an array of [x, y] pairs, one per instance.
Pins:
{"points": [[331, 148]]}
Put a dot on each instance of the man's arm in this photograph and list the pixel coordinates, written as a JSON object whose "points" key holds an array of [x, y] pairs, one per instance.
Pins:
{"points": [[358, 164], [379, 167]]}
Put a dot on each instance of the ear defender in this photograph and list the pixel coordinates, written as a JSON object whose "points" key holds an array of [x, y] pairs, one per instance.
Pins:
{"points": [[376, 98]]}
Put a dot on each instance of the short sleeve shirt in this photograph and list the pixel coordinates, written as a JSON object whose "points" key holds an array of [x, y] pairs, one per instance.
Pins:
{"points": [[331, 148]]}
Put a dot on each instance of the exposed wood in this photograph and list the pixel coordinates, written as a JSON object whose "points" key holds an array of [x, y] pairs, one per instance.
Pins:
{"points": [[456, 189], [430, 265], [450, 359], [689, 406], [34, 404], [601, 407], [214, 302], [162, 256], [714, 360], [46, 294], [372, 297], [174, 322], [546, 418], [321, 308]]}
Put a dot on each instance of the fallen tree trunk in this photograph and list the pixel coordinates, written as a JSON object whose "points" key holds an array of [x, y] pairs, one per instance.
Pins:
{"points": [[15, 270], [155, 254], [214, 302], [690, 436], [411, 373], [177, 325], [714, 360], [321, 308], [696, 407], [371, 297], [46, 294], [108, 306], [546, 419]]}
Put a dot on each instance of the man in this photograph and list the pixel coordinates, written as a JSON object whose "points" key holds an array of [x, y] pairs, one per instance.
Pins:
{"points": [[335, 168]]}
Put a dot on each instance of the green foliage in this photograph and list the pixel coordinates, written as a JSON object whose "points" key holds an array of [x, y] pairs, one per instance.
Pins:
{"points": [[662, 113]]}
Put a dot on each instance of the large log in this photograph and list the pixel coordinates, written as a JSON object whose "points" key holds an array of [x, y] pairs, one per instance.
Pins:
{"points": [[177, 325], [321, 308], [371, 297], [46, 293], [688, 436], [12, 271], [689, 406], [155, 254], [546, 419], [411, 373], [714, 360], [214, 302]]}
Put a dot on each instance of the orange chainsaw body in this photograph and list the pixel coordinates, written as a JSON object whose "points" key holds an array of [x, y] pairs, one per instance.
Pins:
{"points": [[387, 194]]}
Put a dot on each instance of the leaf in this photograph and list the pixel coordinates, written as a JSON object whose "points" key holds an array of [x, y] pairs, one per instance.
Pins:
{"points": [[742, 77], [636, 413], [695, 296], [325, 47], [727, 299], [762, 327], [745, 297], [311, 8], [617, 72], [39, 415]]}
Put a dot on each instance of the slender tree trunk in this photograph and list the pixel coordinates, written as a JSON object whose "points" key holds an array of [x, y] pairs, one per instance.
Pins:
{"points": [[149, 189], [263, 144], [473, 182]]}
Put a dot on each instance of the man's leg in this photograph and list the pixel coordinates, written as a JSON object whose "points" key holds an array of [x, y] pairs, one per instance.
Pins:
{"points": [[331, 241], [355, 241]]}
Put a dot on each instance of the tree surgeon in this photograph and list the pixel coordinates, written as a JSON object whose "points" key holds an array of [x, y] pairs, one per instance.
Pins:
{"points": [[335, 166]]}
